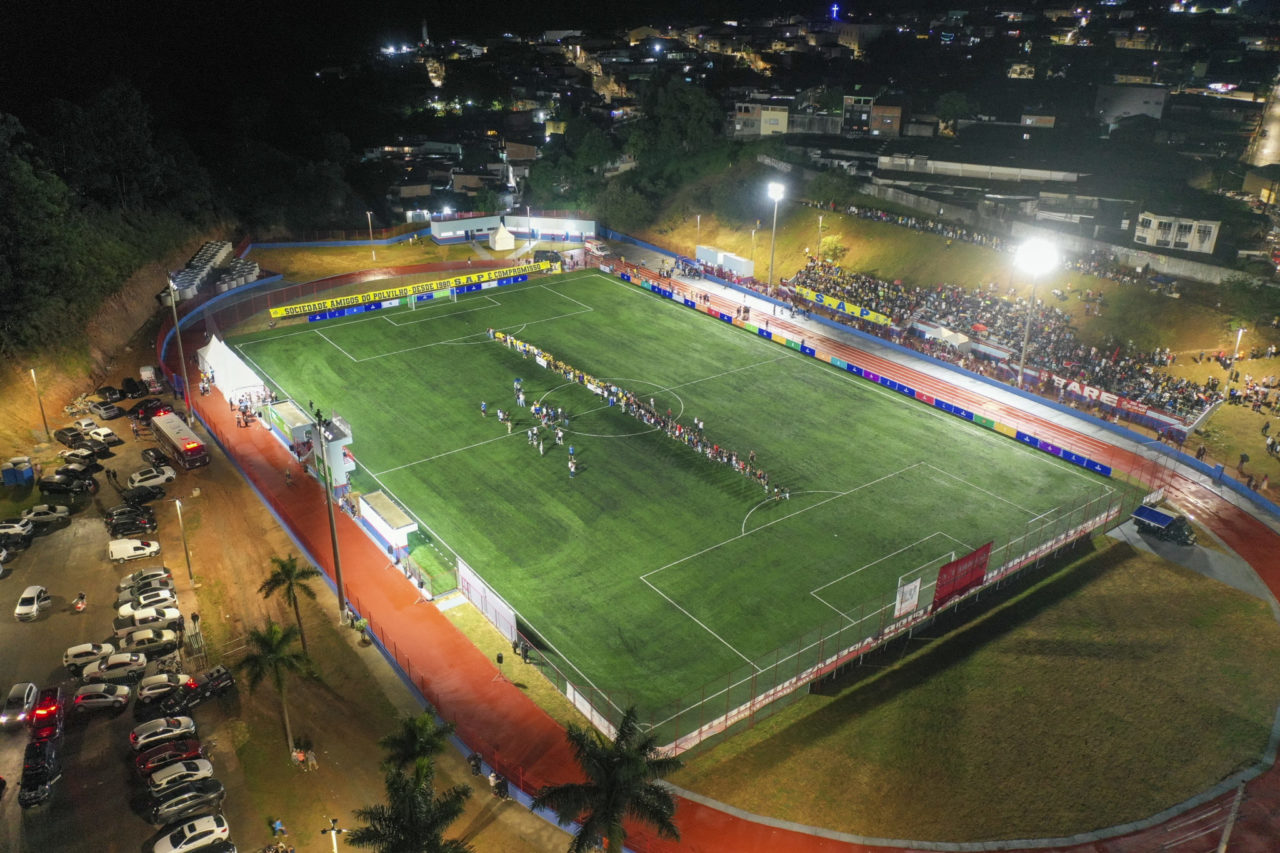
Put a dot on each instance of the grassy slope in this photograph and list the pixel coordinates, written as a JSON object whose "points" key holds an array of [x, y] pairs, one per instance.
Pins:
{"points": [[535, 534]]}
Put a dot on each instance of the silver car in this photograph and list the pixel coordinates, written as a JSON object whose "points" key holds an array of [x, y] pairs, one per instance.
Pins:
{"points": [[188, 799]]}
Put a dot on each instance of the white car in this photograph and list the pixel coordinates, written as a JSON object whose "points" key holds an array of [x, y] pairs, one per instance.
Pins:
{"points": [[46, 513], [22, 698], [122, 666], [33, 600], [76, 658], [152, 476], [162, 618], [158, 731], [93, 696], [16, 527], [119, 550], [133, 593], [84, 424], [106, 436], [155, 687], [175, 774], [193, 835], [142, 576], [152, 598]]}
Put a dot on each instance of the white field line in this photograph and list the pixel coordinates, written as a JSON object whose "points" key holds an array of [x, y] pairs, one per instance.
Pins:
{"points": [[335, 346], [493, 303], [814, 592], [449, 452], [747, 517], [989, 494], [257, 367], [472, 335], [701, 624]]}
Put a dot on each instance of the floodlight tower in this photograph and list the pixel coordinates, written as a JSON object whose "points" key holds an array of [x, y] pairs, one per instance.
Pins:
{"points": [[1035, 257], [776, 192]]}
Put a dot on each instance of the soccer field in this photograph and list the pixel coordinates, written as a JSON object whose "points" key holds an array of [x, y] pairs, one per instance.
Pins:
{"points": [[656, 576]]}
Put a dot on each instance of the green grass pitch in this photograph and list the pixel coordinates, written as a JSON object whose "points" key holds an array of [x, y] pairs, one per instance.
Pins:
{"points": [[655, 573]]}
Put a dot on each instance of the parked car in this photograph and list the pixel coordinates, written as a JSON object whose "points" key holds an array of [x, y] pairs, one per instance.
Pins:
{"points": [[19, 704], [145, 410], [170, 777], [152, 641], [153, 688], [215, 682], [547, 255], [46, 514], [50, 729], [68, 436], [106, 436], [41, 768], [76, 471], [106, 411], [142, 576], [92, 697], [31, 602], [135, 592], [164, 754], [158, 731], [152, 477], [76, 658], [110, 394], [121, 666], [4, 556], [84, 425], [132, 388], [15, 541], [142, 494], [82, 455], [155, 457], [60, 485], [16, 526], [183, 800], [151, 598], [50, 708], [159, 618], [97, 448], [128, 511], [128, 528], [119, 550], [193, 835]]}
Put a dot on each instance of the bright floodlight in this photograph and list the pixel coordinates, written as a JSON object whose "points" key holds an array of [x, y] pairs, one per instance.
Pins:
{"points": [[776, 191], [1036, 256]]}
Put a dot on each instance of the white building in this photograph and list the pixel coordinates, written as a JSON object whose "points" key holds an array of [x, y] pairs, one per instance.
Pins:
{"points": [[1176, 232]]}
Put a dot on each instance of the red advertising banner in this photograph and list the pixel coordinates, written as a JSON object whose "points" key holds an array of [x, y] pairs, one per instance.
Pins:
{"points": [[960, 576]]}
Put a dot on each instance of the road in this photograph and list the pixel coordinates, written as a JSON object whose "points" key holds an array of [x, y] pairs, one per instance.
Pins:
{"points": [[1265, 148]]}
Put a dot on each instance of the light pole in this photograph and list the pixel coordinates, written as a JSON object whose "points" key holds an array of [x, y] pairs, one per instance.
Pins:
{"points": [[40, 403], [753, 252], [333, 832], [182, 356], [697, 240], [186, 552], [819, 249], [1239, 334], [368, 215], [1034, 257], [529, 221], [320, 439], [776, 192]]}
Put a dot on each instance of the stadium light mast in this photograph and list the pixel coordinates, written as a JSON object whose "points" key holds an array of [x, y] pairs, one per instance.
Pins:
{"points": [[182, 356], [776, 192], [320, 438], [818, 253], [1035, 257], [368, 215], [698, 239], [1239, 334], [40, 402]]}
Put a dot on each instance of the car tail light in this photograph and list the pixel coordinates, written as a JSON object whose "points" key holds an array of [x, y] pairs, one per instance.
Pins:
{"points": [[191, 684]]}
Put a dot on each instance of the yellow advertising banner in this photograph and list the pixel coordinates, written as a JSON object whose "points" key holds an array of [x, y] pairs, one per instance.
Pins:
{"points": [[322, 305], [843, 307]]}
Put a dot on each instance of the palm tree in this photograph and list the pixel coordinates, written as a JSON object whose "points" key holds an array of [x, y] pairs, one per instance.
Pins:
{"points": [[417, 740], [621, 783], [292, 579], [271, 656], [414, 819]]}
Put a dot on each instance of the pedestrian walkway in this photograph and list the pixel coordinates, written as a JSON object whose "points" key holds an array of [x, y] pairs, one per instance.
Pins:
{"points": [[523, 742]]}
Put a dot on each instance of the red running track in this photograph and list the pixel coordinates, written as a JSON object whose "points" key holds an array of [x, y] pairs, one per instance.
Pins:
{"points": [[497, 719]]}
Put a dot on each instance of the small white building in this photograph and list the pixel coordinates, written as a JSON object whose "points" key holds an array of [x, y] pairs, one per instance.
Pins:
{"points": [[1176, 232]]}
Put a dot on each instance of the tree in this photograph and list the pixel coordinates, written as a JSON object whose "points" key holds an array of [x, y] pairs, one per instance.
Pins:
{"points": [[417, 740], [414, 819], [951, 107], [621, 783], [272, 657], [289, 579], [832, 249]]}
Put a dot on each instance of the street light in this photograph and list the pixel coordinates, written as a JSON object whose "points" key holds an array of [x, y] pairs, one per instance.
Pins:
{"points": [[698, 239], [40, 403], [321, 440], [819, 250], [776, 192], [333, 832], [182, 356], [529, 221], [186, 552], [1034, 257], [1239, 334], [368, 215], [753, 251]]}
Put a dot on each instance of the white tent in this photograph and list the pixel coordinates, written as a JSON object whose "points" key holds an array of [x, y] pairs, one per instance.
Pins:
{"points": [[501, 240], [230, 373]]}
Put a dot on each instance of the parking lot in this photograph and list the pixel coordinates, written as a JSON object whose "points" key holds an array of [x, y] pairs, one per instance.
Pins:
{"points": [[99, 802]]}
